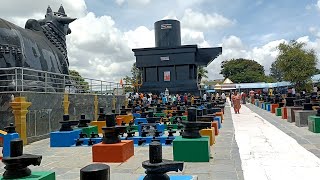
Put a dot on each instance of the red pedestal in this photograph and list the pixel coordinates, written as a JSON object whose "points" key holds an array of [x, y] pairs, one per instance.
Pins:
{"points": [[216, 129], [273, 108], [119, 152], [284, 113]]}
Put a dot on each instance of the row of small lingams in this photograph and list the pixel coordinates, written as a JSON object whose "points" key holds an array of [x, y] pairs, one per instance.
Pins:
{"points": [[17, 165], [156, 168]]}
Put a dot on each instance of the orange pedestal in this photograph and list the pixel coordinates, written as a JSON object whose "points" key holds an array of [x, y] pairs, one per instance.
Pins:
{"points": [[99, 124], [119, 121], [210, 133], [126, 118], [284, 113], [214, 124], [221, 115], [119, 152], [273, 108]]}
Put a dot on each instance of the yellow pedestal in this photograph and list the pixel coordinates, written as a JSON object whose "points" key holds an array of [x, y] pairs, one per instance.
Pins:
{"points": [[168, 111], [210, 133], [20, 109], [99, 124], [126, 118], [220, 114], [66, 103]]}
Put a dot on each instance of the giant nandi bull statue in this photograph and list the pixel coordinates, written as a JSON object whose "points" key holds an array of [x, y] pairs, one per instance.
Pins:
{"points": [[40, 46]]}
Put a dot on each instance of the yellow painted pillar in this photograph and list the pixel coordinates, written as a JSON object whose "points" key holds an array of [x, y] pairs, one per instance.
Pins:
{"points": [[20, 109], [95, 102], [192, 100], [66, 103]]}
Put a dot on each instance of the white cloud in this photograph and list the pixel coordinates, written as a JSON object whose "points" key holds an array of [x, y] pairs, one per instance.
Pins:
{"points": [[133, 2], [318, 4], [200, 21]]}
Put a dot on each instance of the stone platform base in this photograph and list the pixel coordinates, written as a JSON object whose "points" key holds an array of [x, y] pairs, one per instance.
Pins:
{"points": [[284, 114], [191, 150], [99, 125], [290, 113], [301, 117], [88, 130], [273, 107], [314, 124], [278, 112], [64, 138], [210, 133], [119, 152], [126, 118]]}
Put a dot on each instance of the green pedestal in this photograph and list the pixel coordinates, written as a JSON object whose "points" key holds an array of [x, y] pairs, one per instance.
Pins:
{"points": [[265, 105], [314, 124], [134, 128], [191, 150], [38, 176], [175, 126], [278, 112], [159, 115], [88, 130]]}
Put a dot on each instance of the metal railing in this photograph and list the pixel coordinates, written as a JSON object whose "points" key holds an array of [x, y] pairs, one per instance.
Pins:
{"points": [[24, 79]]}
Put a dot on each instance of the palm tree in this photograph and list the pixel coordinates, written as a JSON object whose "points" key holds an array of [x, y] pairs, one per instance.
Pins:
{"points": [[202, 73]]}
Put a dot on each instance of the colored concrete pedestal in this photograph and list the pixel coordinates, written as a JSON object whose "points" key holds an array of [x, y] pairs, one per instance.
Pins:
{"points": [[210, 133], [184, 118], [99, 125], [174, 126], [314, 124], [6, 143], [290, 113], [136, 115], [214, 124], [126, 118], [217, 119], [64, 138], [268, 107], [301, 117], [284, 114], [273, 107], [133, 128], [191, 150], [175, 177], [262, 105], [159, 115], [278, 112], [256, 102], [38, 176], [119, 152], [137, 121], [148, 139], [219, 114], [88, 130]]}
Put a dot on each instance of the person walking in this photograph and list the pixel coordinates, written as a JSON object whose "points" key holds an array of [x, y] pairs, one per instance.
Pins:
{"points": [[236, 98]]}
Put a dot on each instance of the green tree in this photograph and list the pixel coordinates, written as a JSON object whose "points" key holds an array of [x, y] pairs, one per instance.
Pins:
{"points": [[81, 84], [275, 72], [297, 63], [243, 70], [202, 73], [132, 82]]}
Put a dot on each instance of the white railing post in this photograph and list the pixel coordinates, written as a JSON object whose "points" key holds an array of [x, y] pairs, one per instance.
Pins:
{"points": [[45, 81], [21, 79], [16, 78]]}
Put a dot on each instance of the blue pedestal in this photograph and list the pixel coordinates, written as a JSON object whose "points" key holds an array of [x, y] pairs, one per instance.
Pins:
{"points": [[140, 120], [136, 115], [218, 119], [262, 105], [148, 139], [6, 143], [174, 177], [64, 138], [159, 127], [268, 107], [85, 140]]}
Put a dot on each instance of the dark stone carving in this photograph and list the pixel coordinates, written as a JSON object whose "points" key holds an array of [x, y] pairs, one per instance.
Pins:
{"points": [[95, 171], [83, 122], [17, 164], [156, 167], [307, 106], [10, 129], [41, 45], [111, 132], [66, 125], [101, 114]]}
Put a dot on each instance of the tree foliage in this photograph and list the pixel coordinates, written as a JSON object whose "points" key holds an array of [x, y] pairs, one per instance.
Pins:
{"points": [[79, 81], [275, 72], [132, 82], [202, 73], [296, 63], [243, 70]]}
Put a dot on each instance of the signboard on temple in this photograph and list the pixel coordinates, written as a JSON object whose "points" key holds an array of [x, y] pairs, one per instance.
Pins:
{"points": [[166, 75]]}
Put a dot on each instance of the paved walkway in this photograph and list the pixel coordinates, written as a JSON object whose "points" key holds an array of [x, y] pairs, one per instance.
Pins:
{"points": [[267, 153]]}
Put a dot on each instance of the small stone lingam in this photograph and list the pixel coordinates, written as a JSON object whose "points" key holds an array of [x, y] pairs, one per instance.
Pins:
{"points": [[83, 122], [156, 167], [17, 164], [66, 124], [10, 129], [101, 114], [111, 132]]}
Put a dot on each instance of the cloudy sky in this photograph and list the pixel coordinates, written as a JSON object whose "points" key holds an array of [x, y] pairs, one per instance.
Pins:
{"points": [[106, 30]]}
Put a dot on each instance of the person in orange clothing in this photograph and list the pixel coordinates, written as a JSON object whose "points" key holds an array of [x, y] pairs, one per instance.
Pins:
{"points": [[236, 98]]}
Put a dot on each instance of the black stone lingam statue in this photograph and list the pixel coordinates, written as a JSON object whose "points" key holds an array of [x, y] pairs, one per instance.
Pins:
{"points": [[307, 106], [95, 172], [192, 127], [101, 114], [123, 110], [66, 125], [199, 112], [111, 132], [281, 104], [290, 101], [297, 103], [17, 164], [83, 122], [10, 129], [156, 167]]}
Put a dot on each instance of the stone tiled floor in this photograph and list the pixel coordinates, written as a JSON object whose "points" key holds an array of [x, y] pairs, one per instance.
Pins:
{"points": [[67, 162]]}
